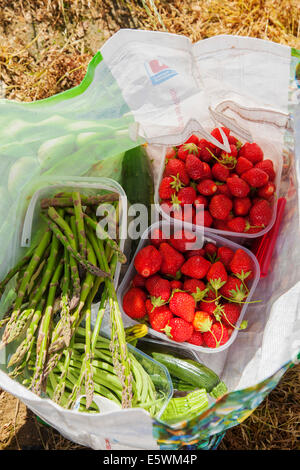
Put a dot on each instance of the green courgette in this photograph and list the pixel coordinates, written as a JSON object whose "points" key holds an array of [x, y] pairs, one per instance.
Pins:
{"points": [[137, 181], [185, 408], [192, 373]]}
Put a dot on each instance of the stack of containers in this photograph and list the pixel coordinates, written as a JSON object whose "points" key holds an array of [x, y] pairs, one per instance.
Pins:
{"points": [[232, 240]]}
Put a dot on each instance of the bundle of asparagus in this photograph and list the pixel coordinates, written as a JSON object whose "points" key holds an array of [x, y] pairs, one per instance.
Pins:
{"points": [[57, 282]]}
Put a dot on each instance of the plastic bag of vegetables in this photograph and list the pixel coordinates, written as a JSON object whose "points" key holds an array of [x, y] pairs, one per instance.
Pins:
{"points": [[163, 79]]}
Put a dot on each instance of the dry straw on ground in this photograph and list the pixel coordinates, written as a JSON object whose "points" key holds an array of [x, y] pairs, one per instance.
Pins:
{"points": [[45, 47]]}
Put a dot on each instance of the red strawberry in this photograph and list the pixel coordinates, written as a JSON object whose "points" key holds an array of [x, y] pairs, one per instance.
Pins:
{"points": [[196, 288], [179, 330], [193, 140], [191, 285], [267, 191], [217, 275], [231, 313], [171, 153], [203, 218], [187, 149], [224, 189], [260, 214], [234, 141], [207, 187], [211, 251], [186, 195], [185, 213], [198, 252], [183, 240], [237, 224], [217, 134], [255, 177], [268, 167], [241, 206], [196, 267], [220, 225], [148, 261], [209, 307], [206, 151], [176, 284], [217, 336], [202, 321], [229, 159], [241, 265], [157, 237], [183, 305], [159, 320], [200, 201], [176, 211], [138, 281], [194, 167], [233, 289], [134, 303], [233, 150], [220, 206], [196, 338], [207, 174], [159, 290], [175, 167], [243, 165], [225, 255], [252, 152], [220, 172], [167, 187], [238, 187], [172, 260]]}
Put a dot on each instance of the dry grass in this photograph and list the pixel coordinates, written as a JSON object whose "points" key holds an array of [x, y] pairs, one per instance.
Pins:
{"points": [[45, 47]]}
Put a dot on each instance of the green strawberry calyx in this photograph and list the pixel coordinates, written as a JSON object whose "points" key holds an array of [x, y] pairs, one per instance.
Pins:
{"points": [[225, 160], [157, 302], [199, 294], [238, 294], [191, 148], [176, 183], [242, 276], [204, 325], [167, 330], [218, 312], [175, 201], [216, 284]]}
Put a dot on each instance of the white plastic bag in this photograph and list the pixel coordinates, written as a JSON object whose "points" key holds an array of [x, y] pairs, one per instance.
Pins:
{"points": [[172, 86]]}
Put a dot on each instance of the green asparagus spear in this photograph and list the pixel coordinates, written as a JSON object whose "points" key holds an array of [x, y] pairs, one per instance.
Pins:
{"points": [[79, 223], [34, 261], [44, 333], [65, 242]]}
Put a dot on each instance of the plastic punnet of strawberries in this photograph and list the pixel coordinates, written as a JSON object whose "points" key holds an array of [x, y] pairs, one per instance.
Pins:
{"points": [[193, 296], [234, 190]]}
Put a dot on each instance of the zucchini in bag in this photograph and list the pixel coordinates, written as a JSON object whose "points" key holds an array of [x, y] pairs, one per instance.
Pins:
{"points": [[192, 373]]}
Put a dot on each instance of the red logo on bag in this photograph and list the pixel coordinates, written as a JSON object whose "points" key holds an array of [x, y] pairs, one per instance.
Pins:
{"points": [[156, 67], [157, 72], [107, 444]]}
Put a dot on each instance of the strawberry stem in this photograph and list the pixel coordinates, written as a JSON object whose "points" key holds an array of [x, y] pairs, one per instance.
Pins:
{"points": [[241, 302]]}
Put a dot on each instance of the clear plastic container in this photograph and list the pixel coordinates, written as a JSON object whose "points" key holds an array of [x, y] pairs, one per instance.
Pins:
{"points": [[271, 152], [159, 375], [208, 237], [87, 186]]}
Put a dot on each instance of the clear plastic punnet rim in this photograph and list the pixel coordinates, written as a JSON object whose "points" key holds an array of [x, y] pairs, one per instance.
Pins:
{"points": [[207, 237], [90, 185]]}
